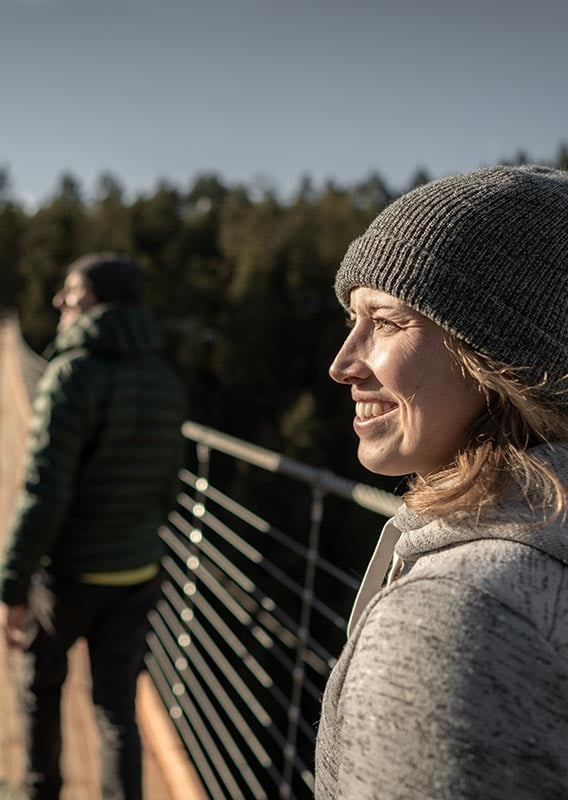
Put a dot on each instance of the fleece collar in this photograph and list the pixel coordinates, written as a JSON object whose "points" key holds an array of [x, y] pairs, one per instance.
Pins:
{"points": [[513, 520], [409, 535], [111, 330]]}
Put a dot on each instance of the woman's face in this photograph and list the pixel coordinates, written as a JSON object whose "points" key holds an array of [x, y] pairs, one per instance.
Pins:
{"points": [[413, 405]]}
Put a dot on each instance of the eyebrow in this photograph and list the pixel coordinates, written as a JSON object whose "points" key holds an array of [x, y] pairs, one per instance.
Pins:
{"points": [[386, 307], [373, 307]]}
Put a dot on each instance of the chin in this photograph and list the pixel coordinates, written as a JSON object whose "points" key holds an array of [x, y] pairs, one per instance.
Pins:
{"points": [[382, 466], [66, 322], [392, 465]]}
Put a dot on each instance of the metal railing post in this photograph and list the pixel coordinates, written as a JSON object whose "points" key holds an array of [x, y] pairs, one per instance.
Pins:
{"points": [[298, 675]]}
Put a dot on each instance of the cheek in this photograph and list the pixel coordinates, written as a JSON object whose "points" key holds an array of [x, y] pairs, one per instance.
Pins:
{"points": [[71, 300], [413, 378], [441, 399]]}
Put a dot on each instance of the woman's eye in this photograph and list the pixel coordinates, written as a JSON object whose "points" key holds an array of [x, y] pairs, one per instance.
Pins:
{"points": [[384, 324]]}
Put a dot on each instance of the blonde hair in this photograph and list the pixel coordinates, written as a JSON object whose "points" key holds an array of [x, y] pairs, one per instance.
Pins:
{"points": [[496, 457]]}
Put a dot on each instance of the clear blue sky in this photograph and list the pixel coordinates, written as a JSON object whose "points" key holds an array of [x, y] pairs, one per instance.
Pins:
{"points": [[276, 88]]}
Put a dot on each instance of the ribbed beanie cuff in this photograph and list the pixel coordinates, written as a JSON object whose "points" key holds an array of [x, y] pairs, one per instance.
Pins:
{"points": [[114, 278], [485, 256]]}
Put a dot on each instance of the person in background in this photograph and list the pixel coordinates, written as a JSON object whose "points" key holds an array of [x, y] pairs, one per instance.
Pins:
{"points": [[453, 684], [83, 552]]}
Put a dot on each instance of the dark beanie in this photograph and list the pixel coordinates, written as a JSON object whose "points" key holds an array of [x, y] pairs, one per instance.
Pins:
{"points": [[485, 256], [114, 278]]}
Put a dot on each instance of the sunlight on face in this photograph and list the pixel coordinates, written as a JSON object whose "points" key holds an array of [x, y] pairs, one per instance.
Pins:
{"points": [[413, 405]]}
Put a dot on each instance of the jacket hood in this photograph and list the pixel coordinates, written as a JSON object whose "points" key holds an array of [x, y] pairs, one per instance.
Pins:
{"points": [[514, 520], [111, 330]]}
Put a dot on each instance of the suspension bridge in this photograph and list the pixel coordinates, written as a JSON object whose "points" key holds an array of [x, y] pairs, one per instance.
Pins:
{"points": [[247, 628]]}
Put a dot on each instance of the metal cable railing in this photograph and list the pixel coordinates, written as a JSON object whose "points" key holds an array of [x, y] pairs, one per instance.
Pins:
{"points": [[242, 640]]}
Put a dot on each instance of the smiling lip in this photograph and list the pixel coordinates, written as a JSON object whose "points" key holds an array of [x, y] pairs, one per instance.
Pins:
{"points": [[372, 415]]}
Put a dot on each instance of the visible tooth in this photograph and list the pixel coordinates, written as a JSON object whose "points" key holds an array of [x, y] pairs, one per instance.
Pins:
{"points": [[366, 410]]}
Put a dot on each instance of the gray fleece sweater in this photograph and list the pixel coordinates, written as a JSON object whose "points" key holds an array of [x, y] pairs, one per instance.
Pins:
{"points": [[453, 684]]}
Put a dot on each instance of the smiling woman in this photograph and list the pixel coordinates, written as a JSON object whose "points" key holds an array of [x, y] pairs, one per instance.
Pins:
{"points": [[453, 682]]}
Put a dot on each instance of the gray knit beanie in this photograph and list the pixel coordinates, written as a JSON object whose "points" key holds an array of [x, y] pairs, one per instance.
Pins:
{"points": [[485, 256], [114, 278]]}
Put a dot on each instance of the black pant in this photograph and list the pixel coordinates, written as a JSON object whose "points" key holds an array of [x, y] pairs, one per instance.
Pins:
{"points": [[114, 622]]}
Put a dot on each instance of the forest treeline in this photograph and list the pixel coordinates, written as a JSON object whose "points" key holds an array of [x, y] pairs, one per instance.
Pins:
{"points": [[241, 281]]}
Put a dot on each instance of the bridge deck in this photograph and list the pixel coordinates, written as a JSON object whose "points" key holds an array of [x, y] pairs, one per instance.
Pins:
{"points": [[80, 766]]}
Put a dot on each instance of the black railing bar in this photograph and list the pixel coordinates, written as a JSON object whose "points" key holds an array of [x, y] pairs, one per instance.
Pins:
{"points": [[273, 647], [294, 587], [198, 757], [212, 715], [224, 701], [276, 734], [339, 574], [224, 631], [214, 586], [299, 764], [186, 585], [283, 628], [222, 594], [367, 496], [225, 565], [213, 753], [172, 644], [299, 683], [264, 600], [261, 601], [202, 637], [199, 634], [252, 664], [185, 553], [174, 543], [232, 641], [196, 508], [218, 591], [275, 572], [226, 502], [244, 514], [200, 602], [227, 599], [266, 527], [266, 640], [218, 624], [221, 529], [191, 713]]}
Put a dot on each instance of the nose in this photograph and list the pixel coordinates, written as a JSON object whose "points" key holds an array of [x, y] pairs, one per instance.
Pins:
{"points": [[58, 299], [348, 366]]}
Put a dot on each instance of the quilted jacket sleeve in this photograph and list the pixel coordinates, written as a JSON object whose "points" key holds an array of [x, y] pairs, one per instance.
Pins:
{"points": [[60, 425]]}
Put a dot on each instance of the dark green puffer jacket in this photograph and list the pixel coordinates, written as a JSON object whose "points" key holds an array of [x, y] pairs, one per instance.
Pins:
{"points": [[104, 449]]}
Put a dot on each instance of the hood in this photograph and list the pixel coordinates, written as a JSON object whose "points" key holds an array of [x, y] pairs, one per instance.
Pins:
{"points": [[513, 520], [113, 330]]}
